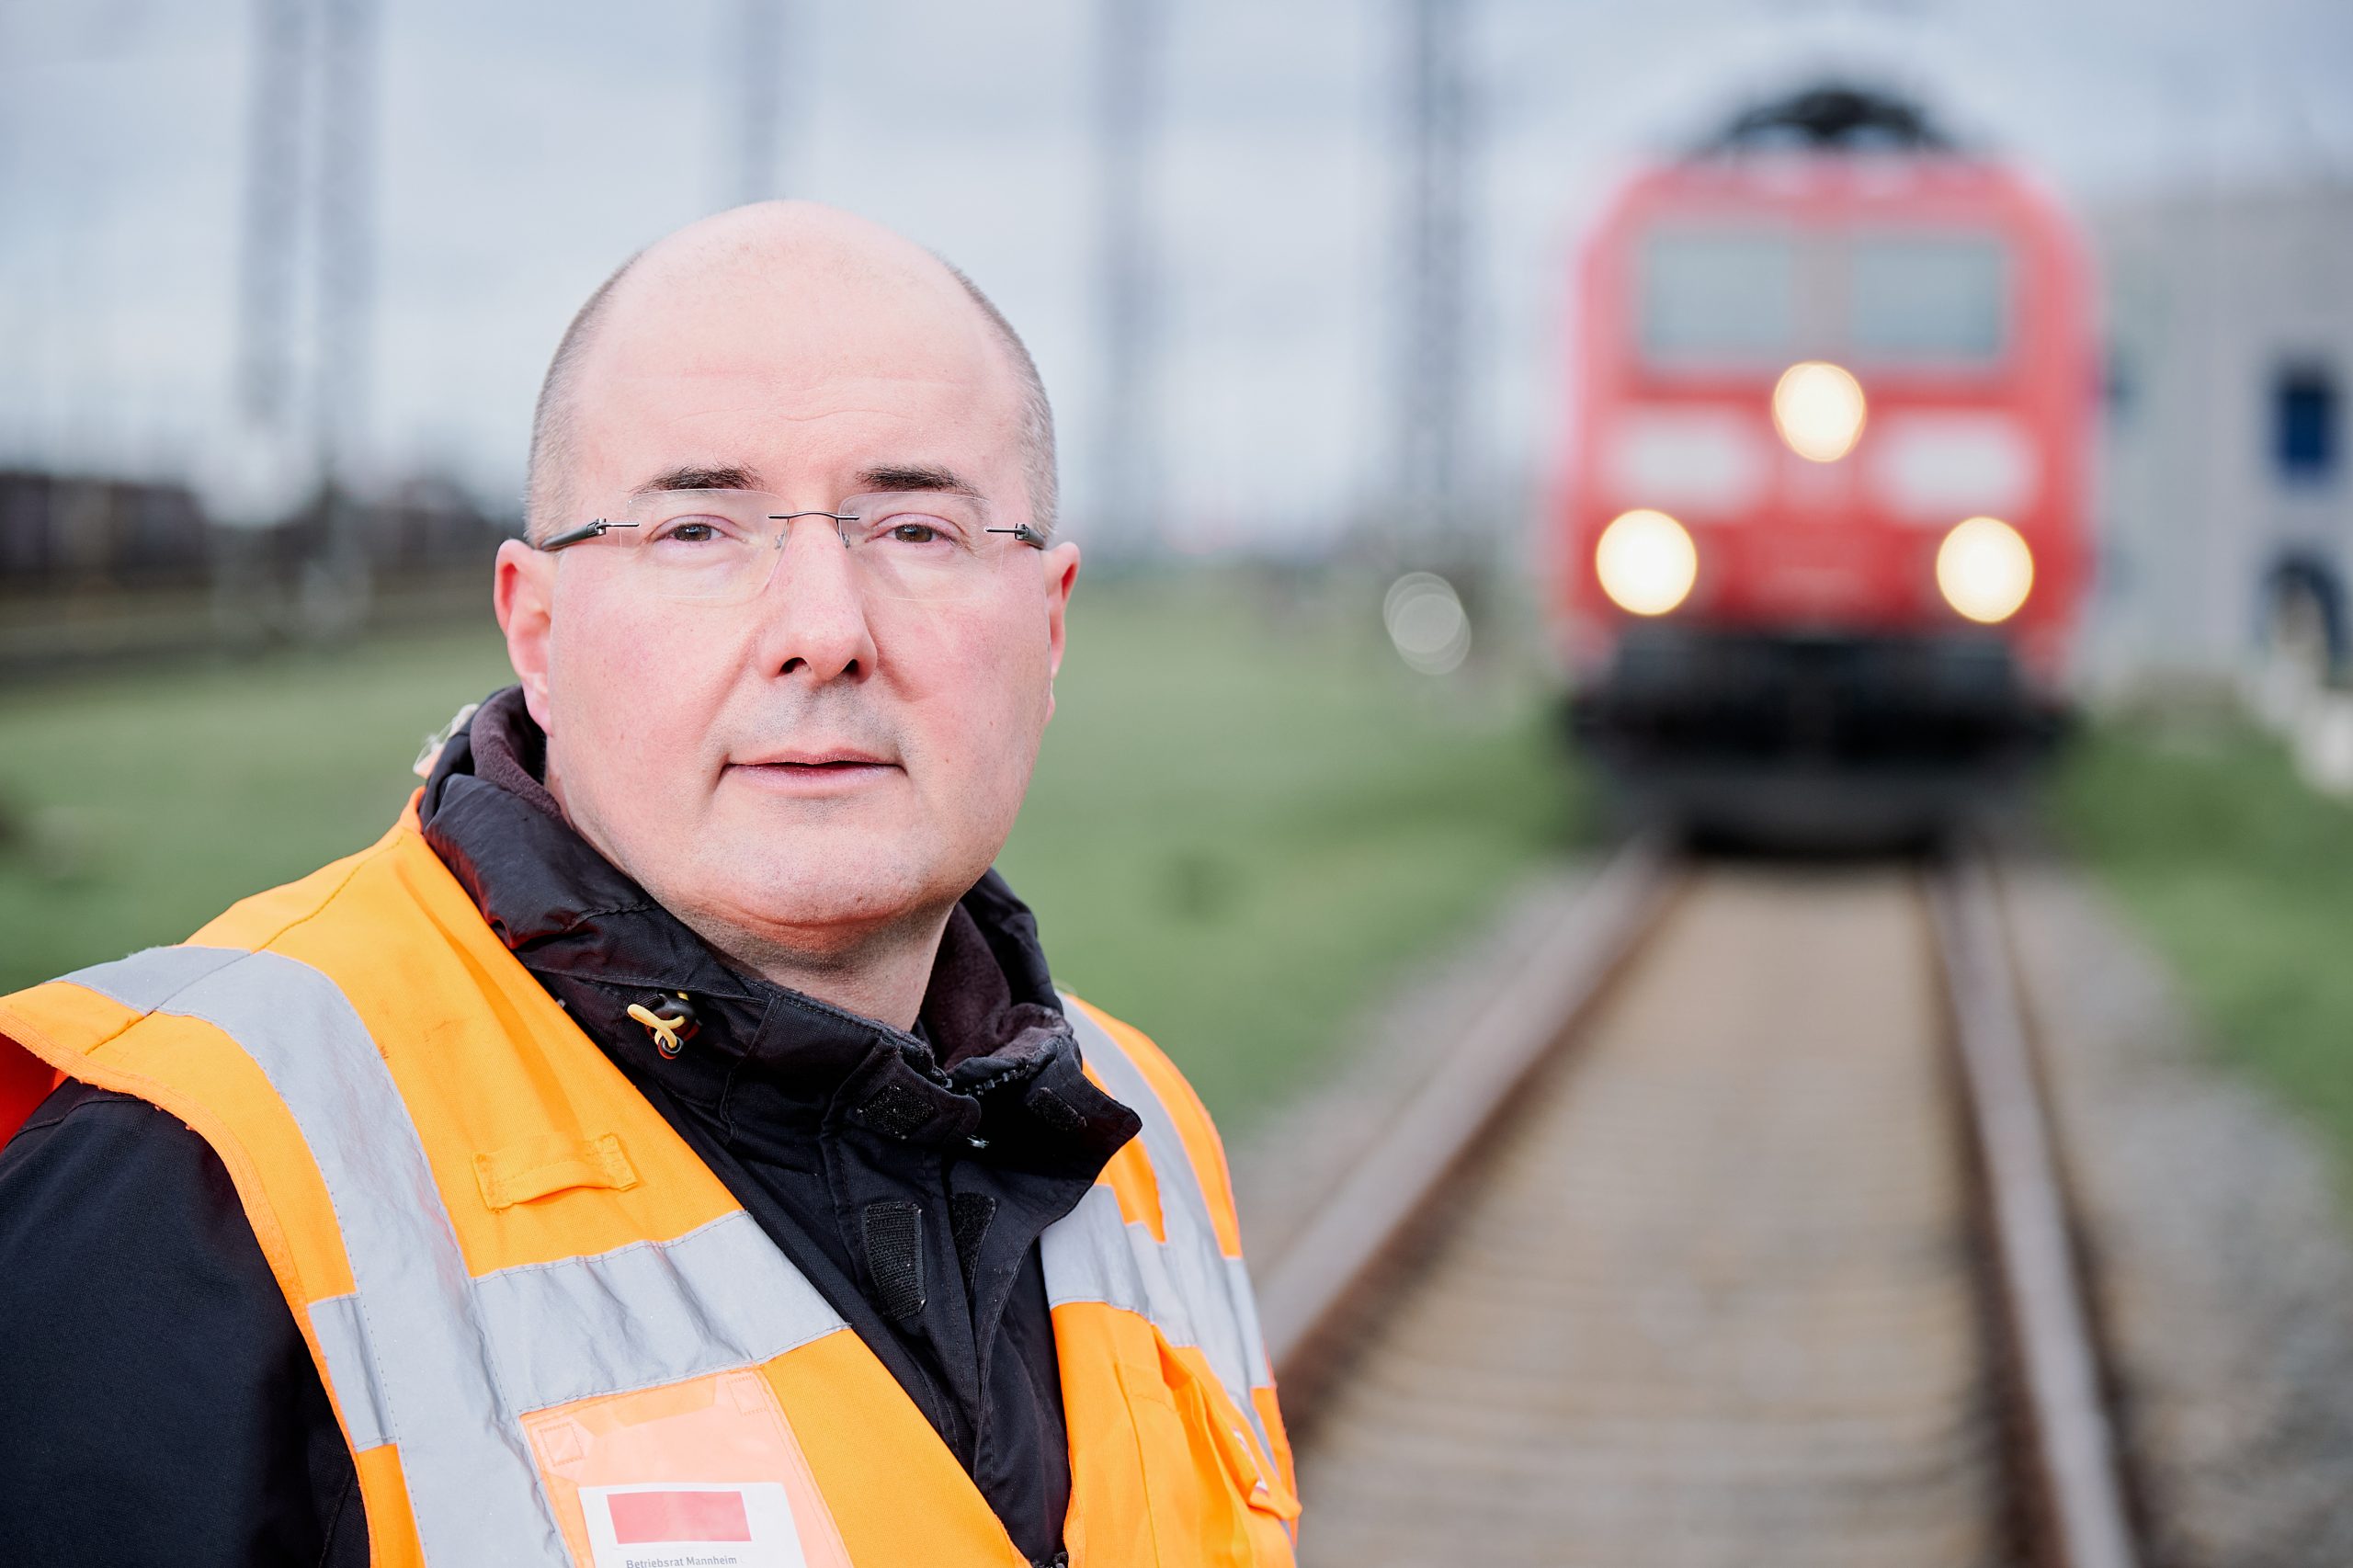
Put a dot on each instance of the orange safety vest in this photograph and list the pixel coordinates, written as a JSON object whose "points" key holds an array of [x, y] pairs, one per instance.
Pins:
{"points": [[552, 1336]]}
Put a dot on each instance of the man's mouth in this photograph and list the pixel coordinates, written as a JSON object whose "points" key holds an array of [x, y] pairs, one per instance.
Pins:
{"points": [[835, 762], [816, 756], [813, 768]]}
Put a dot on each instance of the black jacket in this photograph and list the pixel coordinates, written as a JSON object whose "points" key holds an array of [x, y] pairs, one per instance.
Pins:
{"points": [[157, 1403]]}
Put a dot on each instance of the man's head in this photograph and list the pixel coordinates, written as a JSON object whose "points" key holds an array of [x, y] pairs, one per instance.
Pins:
{"points": [[556, 446], [821, 767]]}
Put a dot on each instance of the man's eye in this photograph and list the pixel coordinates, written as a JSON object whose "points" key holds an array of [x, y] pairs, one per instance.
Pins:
{"points": [[910, 532], [690, 530]]}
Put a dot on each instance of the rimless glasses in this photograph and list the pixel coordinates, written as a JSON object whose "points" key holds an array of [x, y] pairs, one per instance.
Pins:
{"points": [[722, 546]]}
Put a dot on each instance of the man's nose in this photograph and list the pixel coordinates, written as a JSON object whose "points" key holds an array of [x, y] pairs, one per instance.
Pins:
{"points": [[813, 611]]}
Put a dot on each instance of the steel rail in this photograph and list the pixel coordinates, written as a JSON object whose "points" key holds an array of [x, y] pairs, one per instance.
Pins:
{"points": [[1324, 1283], [1312, 1289], [2072, 1457]]}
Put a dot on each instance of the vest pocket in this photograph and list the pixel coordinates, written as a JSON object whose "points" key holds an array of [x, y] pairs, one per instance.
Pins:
{"points": [[1211, 1499], [709, 1461], [539, 1166], [1254, 1477]]}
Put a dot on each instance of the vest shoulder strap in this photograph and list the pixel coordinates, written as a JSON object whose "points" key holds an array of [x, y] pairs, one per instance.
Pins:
{"points": [[1191, 1280]]}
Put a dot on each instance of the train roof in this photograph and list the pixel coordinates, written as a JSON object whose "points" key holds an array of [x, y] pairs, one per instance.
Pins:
{"points": [[1833, 117]]}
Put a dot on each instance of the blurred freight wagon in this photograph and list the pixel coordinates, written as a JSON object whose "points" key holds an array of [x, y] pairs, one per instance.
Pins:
{"points": [[1820, 548]]}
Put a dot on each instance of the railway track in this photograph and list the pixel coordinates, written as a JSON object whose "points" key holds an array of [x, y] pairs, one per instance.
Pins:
{"points": [[1733, 1233]]}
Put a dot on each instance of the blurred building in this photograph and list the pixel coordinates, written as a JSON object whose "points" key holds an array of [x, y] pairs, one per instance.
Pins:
{"points": [[2229, 507], [64, 532], [93, 567]]}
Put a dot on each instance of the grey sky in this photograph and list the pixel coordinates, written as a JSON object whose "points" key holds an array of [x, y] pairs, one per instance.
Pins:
{"points": [[528, 146]]}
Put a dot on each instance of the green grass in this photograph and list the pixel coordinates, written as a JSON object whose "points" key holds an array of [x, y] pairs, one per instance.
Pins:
{"points": [[1246, 819], [133, 808], [1248, 815], [2244, 878]]}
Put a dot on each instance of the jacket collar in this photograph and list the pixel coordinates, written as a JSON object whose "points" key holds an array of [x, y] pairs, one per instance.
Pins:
{"points": [[992, 1027]]}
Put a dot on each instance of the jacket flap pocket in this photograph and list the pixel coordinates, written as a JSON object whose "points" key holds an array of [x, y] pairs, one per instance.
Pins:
{"points": [[541, 1166]]}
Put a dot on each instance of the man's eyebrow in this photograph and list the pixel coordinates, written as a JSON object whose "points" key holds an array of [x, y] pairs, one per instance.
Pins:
{"points": [[702, 478], [888, 477]]}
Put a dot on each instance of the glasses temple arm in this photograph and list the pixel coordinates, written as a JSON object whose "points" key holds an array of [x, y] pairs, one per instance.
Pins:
{"points": [[580, 535]]}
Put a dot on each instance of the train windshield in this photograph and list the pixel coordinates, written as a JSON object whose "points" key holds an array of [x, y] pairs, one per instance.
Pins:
{"points": [[1719, 295], [1926, 297], [1733, 297]]}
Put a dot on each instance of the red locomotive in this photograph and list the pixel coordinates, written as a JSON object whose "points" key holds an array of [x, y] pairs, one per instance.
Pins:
{"points": [[1824, 530]]}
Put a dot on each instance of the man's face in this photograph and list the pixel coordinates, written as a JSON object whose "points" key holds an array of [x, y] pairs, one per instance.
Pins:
{"points": [[818, 764]]}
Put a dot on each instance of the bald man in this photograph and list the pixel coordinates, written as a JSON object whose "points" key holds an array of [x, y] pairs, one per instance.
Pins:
{"points": [[666, 1144]]}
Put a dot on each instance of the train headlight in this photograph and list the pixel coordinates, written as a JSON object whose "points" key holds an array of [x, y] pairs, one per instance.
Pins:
{"points": [[1646, 563], [1985, 570], [1818, 408]]}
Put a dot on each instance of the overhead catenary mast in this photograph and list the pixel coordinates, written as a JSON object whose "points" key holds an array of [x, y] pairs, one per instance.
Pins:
{"points": [[1429, 365], [346, 293], [756, 55], [309, 239], [267, 272], [1128, 468]]}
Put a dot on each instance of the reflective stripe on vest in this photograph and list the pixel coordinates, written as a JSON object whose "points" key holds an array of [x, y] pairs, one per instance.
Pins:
{"points": [[1192, 1292], [423, 1355], [446, 1365]]}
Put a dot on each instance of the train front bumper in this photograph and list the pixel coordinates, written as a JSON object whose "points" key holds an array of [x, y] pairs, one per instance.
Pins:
{"points": [[1675, 693]]}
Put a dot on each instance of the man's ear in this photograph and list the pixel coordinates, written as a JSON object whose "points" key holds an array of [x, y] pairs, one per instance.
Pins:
{"points": [[1060, 567], [523, 590]]}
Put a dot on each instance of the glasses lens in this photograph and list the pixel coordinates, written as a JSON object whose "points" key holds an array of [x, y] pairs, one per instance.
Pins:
{"points": [[703, 545], [922, 545]]}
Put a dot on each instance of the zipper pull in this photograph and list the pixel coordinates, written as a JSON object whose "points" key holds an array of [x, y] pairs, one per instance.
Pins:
{"points": [[670, 1033]]}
